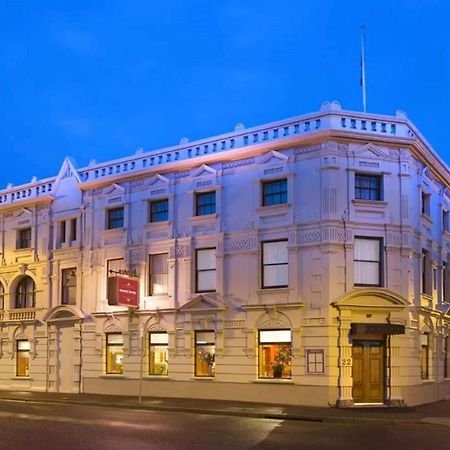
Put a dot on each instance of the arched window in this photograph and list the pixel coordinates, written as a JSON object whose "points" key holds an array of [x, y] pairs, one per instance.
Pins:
{"points": [[25, 293], [2, 296]]}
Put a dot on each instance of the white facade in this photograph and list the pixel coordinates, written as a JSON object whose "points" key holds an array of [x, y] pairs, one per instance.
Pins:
{"points": [[251, 247]]}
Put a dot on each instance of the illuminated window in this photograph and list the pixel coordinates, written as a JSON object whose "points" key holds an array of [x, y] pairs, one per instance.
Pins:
{"points": [[274, 264], [69, 286], [24, 238], [159, 210], [159, 353], [367, 187], [115, 218], [424, 356], [205, 354], [25, 293], [367, 261], [315, 361], [23, 358], [158, 274], [274, 192], [274, 350], [205, 203], [206, 270], [114, 353]]}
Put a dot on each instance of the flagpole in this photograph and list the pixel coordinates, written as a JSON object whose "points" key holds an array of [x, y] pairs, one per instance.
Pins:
{"points": [[363, 67]]}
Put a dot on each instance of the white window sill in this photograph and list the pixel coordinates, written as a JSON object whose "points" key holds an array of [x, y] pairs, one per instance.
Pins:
{"points": [[204, 218], [375, 203], [273, 290], [113, 375], [161, 223], [429, 381], [203, 378], [273, 208], [273, 381], [157, 377], [24, 378]]}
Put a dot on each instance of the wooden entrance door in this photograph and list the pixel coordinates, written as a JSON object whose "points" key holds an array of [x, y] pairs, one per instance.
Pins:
{"points": [[368, 371]]}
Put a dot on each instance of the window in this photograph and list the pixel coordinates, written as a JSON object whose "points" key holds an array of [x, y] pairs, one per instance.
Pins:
{"points": [[445, 283], [367, 187], [23, 358], [73, 229], [158, 274], [69, 286], [115, 218], [275, 264], [2, 296], [426, 273], [424, 350], [205, 270], [315, 361], [426, 203], [25, 293], [114, 353], [159, 210], [445, 221], [274, 192], [205, 203], [367, 261], [205, 354], [274, 350], [159, 353], [24, 238], [62, 231]]}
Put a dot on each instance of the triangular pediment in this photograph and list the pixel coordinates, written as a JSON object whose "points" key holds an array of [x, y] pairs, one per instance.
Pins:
{"points": [[67, 171], [158, 180], [23, 213], [114, 189], [204, 171], [274, 157], [202, 302], [371, 151]]}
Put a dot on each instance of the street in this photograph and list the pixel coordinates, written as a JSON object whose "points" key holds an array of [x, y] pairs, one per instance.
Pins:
{"points": [[48, 426]]}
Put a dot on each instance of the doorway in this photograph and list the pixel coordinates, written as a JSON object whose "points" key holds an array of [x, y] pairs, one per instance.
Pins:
{"points": [[368, 371]]}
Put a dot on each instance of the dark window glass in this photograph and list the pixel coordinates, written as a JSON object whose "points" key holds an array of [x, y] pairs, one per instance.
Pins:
{"points": [[274, 192], [205, 203], [73, 229], [24, 238], [25, 293], [115, 218], [159, 210], [367, 187], [69, 286]]}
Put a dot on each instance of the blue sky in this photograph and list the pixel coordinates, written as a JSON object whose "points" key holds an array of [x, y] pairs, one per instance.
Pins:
{"points": [[99, 79]]}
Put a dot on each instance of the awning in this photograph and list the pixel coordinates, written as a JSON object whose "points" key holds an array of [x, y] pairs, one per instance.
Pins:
{"points": [[377, 328]]}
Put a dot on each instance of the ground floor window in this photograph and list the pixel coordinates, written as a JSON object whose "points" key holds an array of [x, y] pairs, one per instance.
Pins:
{"points": [[424, 356], [159, 353], [205, 353], [274, 354], [114, 353], [315, 361], [23, 358]]}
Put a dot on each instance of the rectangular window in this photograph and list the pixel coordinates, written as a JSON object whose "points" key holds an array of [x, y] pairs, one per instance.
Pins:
{"points": [[205, 270], [115, 218], [73, 229], [205, 354], [114, 353], [69, 286], [426, 199], [368, 187], [159, 353], [424, 356], [274, 354], [24, 238], [205, 203], [62, 231], [367, 261], [274, 192], [274, 264], [426, 273], [158, 274], [315, 361], [445, 221], [159, 210], [23, 358]]}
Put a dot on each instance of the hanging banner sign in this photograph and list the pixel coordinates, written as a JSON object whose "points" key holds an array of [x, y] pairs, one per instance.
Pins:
{"points": [[123, 291]]}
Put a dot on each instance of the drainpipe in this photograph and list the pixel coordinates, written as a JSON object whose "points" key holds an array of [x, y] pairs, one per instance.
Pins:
{"points": [[48, 358], [80, 381]]}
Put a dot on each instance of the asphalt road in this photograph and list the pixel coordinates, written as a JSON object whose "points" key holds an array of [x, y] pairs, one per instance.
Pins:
{"points": [[38, 426]]}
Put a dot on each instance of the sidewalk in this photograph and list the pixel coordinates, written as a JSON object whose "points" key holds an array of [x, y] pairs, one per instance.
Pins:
{"points": [[433, 413]]}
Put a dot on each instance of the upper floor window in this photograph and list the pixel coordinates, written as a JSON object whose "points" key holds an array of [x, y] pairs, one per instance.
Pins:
{"points": [[158, 274], [445, 283], [114, 353], [367, 261], [445, 221], [24, 238], [25, 293], [205, 270], [2, 296], [69, 286], [115, 218], [159, 210], [426, 201], [274, 264], [205, 203], [427, 286], [368, 187], [274, 192], [73, 229]]}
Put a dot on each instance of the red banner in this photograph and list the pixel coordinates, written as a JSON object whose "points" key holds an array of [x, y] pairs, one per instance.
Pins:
{"points": [[123, 291]]}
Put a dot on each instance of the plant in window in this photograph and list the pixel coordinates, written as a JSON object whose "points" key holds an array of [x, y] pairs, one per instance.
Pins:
{"points": [[209, 358], [281, 360]]}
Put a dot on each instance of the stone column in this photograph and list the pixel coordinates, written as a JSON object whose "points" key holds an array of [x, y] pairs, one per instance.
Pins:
{"points": [[345, 380], [394, 397]]}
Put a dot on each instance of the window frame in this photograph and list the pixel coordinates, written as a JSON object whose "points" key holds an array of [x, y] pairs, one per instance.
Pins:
{"points": [[156, 345], [150, 274], [19, 352], [65, 288], [380, 262], [24, 243], [198, 207], [197, 270], [260, 347], [112, 223], [308, 363], [282, 193], [25, 293], [425, 357], [378, 190], [109, 345], [425, 200], [152, 214], [263, 286], [212, 371]]}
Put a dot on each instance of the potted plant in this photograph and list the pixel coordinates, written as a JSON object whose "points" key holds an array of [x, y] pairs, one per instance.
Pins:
{"points": [[282, 358], [210, 359]]}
